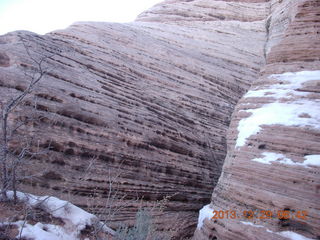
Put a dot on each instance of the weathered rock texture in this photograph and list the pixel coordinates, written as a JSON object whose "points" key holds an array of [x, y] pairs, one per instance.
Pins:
{"points": [[267, 169], [152, 100]]}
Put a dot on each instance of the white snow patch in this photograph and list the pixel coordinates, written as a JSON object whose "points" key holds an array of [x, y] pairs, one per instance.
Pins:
{"points": [[256, 225], [274, 92], [273, 157], [270, 157], [287, 114], [296, 79], [75, 219], [41, 231], [287, 234], [293, 235], [290, 83], [251, 224], [72, 215], [313, 160], [205, 212]]}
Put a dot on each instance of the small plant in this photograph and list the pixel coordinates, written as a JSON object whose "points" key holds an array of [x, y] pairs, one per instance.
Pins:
{"points": [[143, 229]]}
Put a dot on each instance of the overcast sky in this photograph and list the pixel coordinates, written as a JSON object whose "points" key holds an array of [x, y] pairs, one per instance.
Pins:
{"points": [[42, 16]]}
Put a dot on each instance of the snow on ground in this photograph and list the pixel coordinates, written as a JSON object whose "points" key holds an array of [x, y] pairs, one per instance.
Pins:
{"points": [[287, 234], [205, 212], [303, 112], [71, 215], [41, 231], [75, 219], [270, 157]]}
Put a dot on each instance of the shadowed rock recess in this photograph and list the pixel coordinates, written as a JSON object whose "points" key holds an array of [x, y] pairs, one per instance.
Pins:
{"points": [[153, 100]]}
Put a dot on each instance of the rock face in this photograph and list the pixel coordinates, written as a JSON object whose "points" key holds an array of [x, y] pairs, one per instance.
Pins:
{"points": [[150, 100], [273, 141], [146, 105]]}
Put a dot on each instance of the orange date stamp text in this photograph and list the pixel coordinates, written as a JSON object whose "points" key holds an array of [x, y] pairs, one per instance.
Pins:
{"points": [[260, 214]]}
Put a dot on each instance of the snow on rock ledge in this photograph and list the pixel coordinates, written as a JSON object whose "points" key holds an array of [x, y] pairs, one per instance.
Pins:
{"points": [[270, 157], [205, 213], [301, 112], [287, 234], [74, 218]]}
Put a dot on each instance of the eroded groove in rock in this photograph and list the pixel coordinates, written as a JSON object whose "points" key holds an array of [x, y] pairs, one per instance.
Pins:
{"points": [[153, 98]]}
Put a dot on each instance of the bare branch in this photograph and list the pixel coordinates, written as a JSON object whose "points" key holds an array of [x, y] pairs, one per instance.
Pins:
{"points": [[8, 169]]}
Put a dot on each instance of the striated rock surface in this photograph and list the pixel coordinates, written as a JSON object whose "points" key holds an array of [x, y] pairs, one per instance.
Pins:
{"points": [[147, 105], [150, 100], [273, 158]]}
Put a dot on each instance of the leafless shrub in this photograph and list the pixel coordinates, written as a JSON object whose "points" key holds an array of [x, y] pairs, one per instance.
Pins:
{"points": [[11, 158]]}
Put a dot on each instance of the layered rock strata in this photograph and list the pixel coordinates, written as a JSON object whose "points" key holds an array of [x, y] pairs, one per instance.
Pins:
{"points": [[146, 105], [273, 157], [150, 100]]}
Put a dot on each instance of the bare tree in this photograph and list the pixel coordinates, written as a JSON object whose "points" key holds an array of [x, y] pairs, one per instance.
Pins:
{"points": [[10, 160]]}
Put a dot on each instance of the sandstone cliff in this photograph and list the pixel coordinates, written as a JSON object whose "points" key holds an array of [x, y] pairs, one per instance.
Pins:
{"points": [[273, 154], [153, 99]]}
